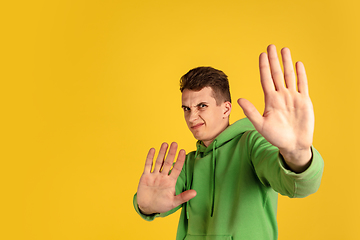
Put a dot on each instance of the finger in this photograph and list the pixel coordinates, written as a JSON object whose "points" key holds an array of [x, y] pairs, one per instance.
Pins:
{"points": [[302, 78], [251, 112], [184, 197], [289, 73], [149, 160], [169, 158], [276, 72], [178, 165], [160, 157], [265, 74]]}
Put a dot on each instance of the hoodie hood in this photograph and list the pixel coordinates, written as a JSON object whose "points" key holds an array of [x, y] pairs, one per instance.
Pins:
{"points": [[232, 131]]}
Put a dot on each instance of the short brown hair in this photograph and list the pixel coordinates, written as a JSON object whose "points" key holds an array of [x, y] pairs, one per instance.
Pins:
{"points": [[200, 77]]}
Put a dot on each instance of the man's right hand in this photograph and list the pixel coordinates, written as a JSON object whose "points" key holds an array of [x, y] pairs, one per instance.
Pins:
{"points": [[156, 190]]}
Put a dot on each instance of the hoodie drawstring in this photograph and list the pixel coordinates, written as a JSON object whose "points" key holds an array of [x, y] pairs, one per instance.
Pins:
{"points": [[213, 179], [189, 181], [197, 151]]}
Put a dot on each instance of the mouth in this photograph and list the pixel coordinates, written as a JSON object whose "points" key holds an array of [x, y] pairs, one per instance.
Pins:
{"points": [[197, 126]]}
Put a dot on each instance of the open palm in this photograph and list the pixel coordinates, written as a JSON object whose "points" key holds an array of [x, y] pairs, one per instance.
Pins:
{"points": [[288, 118], [156, 190]]}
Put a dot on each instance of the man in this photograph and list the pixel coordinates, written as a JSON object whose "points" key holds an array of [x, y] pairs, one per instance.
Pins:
{"points": [[228, 187]]}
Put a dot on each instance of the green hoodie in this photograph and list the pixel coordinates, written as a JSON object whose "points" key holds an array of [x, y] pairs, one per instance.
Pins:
{"points": [[237, 178]]}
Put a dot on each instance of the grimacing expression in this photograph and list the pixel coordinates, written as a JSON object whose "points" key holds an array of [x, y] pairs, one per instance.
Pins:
{"points": [[205, 119]]}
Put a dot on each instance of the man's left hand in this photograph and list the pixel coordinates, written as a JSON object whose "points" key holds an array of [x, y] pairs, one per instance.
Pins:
{"points": [[288, 118]]}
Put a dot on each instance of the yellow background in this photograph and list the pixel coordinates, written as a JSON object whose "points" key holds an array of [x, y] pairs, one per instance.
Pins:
{"points": [[87, 87]]}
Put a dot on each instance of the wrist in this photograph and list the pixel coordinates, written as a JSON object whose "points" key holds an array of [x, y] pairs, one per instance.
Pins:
{"points": [[298, 160], [145, 211]]}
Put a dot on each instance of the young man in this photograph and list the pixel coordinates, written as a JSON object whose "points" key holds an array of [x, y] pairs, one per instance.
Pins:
{"points": [[228, 187]]}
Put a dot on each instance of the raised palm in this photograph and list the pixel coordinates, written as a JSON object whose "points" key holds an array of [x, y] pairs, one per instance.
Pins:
{"points": [[156, 190], [288, 118]]}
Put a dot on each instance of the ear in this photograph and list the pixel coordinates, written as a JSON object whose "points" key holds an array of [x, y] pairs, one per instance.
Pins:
{"points": [[227, 109]]}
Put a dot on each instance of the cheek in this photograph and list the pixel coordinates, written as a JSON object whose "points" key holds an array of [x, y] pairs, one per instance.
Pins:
{"points": [[208, 115], [212, 116]]}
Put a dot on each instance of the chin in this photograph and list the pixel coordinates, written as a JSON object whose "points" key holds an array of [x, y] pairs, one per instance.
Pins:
{"points": [[198, 137]]}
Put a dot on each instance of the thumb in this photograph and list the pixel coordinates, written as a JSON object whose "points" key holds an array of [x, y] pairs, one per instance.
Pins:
{"points": [[251, 112], [184, 197]]}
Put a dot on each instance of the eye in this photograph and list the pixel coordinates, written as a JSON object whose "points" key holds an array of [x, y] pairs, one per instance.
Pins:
{"points": [[203, 105], [186, 109]]}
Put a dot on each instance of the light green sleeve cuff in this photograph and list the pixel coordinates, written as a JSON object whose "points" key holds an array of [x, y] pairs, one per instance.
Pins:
{"points": [[307, 182]]}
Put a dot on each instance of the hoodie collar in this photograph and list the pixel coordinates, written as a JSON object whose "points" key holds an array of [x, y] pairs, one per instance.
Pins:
{"points": [[228, 134]]}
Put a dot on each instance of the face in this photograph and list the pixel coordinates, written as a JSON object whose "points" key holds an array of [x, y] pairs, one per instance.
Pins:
{"points": [[204, 118]]}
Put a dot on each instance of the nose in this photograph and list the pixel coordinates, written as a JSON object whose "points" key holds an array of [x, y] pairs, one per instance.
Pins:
{"points": [[194, 115]]}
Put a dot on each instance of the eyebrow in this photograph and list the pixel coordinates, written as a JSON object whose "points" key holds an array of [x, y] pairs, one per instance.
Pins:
{"points": [[197, 105]]}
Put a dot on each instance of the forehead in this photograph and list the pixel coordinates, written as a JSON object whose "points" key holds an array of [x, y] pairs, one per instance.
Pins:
{"points": [[194, 97]]}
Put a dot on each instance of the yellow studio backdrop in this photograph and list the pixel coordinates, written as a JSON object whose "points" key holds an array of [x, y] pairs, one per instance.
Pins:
{"points": [[87, 87]]}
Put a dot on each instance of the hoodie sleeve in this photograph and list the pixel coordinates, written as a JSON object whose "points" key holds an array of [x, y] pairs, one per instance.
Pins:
{"points": [[271, 169], [179, 188]]}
